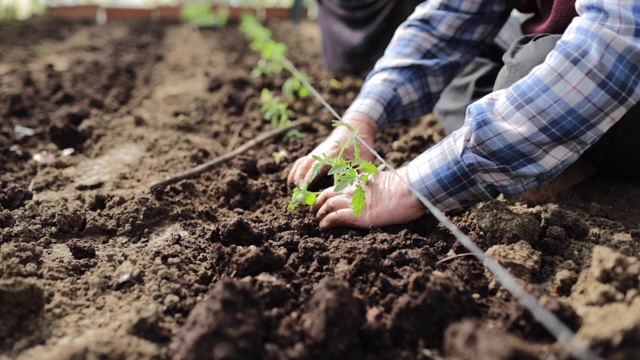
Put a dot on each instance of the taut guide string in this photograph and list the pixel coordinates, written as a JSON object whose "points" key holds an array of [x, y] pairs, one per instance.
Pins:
{"points": [[562, 332]]}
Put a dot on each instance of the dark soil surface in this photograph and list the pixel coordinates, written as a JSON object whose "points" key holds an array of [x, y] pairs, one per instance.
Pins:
{"points": [[93, 265]]}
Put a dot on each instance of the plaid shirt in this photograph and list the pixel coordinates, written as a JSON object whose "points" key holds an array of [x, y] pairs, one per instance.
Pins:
{"points": [[520, 137]]}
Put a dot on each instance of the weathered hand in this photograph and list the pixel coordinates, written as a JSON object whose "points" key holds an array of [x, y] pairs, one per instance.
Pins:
{"points": [[389, 202], [367, 130]]}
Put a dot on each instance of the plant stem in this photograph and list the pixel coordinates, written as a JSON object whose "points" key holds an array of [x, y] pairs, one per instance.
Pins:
{"points": [[222, 158]]}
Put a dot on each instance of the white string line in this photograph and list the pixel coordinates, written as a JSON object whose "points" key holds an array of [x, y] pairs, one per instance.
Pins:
{"points": [[555, 326]]}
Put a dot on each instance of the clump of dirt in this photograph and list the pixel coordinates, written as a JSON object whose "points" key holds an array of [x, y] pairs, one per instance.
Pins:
{"points": [[608, 290], [333, 320], [13, 196], [500, 224], [436, 299], [226, 325], [520, 259], [26, 299]]}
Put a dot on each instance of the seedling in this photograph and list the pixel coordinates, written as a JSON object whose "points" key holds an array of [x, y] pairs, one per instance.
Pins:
{"points": [[201, 15], [301, 195], [272, 53], [254, 29], [293, 134], [293, 86], [279, 155], [345, 173], [335, 83], [278, 114], [272, 57], [276, 111]]}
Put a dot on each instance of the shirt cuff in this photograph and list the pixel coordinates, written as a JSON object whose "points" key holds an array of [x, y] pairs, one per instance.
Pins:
{"points": [[379, 100], [442, 176]]}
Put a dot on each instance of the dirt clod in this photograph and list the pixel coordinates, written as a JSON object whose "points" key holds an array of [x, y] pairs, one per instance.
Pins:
{"points": [[503, 226], [25, 299], [333, 319], [469, 339], [227, 325], [81, 249], [12, 195], [438, 301]]}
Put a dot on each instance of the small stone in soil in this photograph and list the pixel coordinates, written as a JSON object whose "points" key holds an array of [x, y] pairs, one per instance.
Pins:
{"points": [[81, 249]]}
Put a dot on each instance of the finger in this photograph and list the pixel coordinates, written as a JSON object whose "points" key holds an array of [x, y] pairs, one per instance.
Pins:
{"points": [[325, 195], [309, 172], [301, 167], [342, 217], [332, 205], [294, 170]]}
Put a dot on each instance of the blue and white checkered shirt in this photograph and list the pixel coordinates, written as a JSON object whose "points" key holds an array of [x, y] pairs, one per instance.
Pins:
{"points": [[520, 137]]}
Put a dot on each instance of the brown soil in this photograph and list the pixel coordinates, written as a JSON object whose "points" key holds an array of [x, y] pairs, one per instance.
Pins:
{"points": [[93, 265]]}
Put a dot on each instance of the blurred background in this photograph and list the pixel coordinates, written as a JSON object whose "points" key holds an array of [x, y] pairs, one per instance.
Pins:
{"points": [[23, 9]]}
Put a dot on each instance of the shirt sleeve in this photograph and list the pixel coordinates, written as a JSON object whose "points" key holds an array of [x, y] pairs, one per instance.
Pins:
{"points": [[426, 52], [520, 137]]}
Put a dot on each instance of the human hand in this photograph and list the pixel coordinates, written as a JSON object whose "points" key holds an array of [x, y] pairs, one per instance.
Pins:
{"points": [[389, 201], [367, 130]]}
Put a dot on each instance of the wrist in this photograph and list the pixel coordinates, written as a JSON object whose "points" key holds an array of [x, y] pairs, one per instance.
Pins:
{"points": [[362, 122]]}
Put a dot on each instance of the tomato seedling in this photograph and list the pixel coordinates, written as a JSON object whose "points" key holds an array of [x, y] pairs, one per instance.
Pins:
{"points": [[345, 173]]}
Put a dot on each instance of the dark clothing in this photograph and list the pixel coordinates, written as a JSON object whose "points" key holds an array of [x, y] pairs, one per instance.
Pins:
{"points": [[550, 16], [355, 33]]}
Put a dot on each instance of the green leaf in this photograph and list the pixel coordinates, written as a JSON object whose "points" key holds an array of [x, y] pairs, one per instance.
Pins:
{"points": [[302, 196], [338, 168], [337, 123], [310, 198], [304, 92], [342, 184], [315, 170], [368, 167], [278, 156], [356, 147], [265, 95], [293, 133], [343, 180], [336, 84], [289, 87], [358, 202]]}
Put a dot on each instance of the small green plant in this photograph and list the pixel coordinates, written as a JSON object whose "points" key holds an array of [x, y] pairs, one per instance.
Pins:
{"points": [[345, 173], [301, 195], [335, 83], [278, 114], [279, 155], [252, 27], [202, 15], [275, 110], [293, 86], [272, 53], [293, 133]]}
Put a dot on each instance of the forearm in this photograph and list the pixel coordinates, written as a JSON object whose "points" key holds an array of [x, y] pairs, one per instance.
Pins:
{"points": [[519, 138], [427, 51]]}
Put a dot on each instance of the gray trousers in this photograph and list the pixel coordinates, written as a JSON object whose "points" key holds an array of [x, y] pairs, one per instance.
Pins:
{"points": [[617, 152]]}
